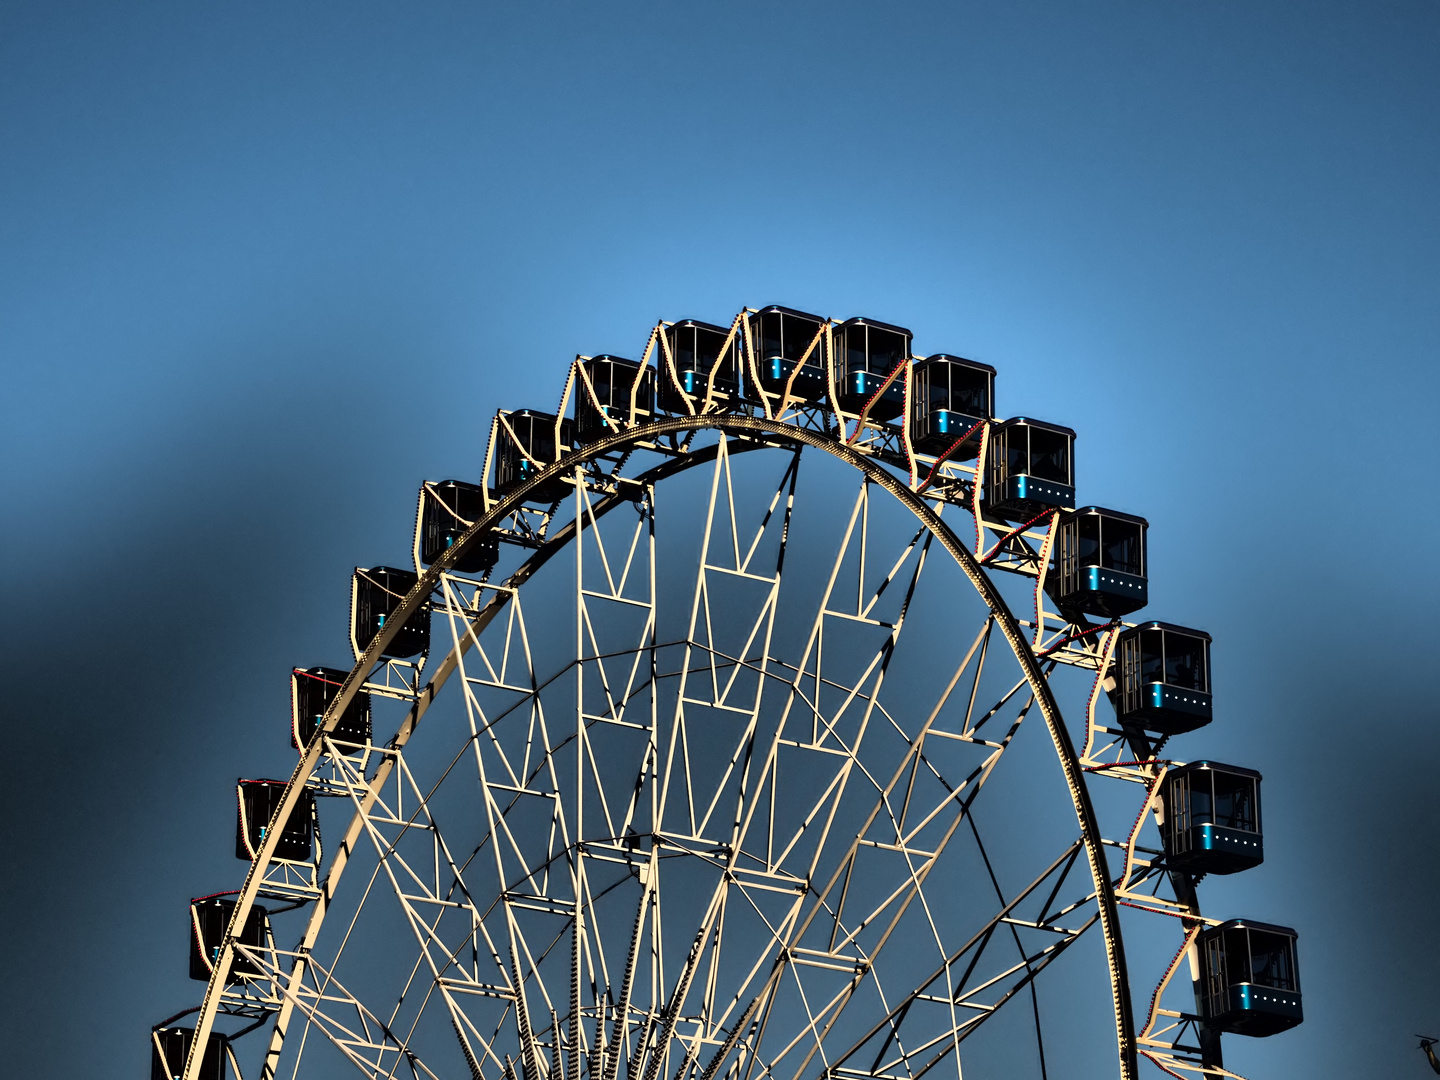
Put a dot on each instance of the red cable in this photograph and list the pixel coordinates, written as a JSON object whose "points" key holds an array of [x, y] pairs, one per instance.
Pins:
{"points": [[1015, 532], [946, 457], [1111, 625]]}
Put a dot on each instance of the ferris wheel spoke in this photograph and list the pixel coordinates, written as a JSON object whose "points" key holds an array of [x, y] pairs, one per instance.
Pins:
{"points": [[829, 1014], [908, 814], [928, 1016], [825, 736], [704, 821], [724, 571], [909, 888], [614, 670], [493, 602], [367, 1042], [512, 651], [427, 900], [889, 828]]}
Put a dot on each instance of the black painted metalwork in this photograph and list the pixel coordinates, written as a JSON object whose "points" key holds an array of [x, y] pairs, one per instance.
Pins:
{"points": [[1163, 678], [950, 396], [311, 691], [169, 1047], [697, 349], [865, 353], [209, 916], [1031, 469], [447, 510], [375, 594], [1212, 818], [1100, 563], [258, 800], [526, 443], [1250, 977]]}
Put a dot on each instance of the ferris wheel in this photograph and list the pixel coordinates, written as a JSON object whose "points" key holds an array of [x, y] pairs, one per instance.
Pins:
{"points": [[767, 712]]}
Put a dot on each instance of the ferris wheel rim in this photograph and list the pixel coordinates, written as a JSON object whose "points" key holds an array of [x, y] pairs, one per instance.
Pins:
{"points": [[780, 435]]}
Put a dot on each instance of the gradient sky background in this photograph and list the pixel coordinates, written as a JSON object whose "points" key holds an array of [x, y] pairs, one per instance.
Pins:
{"points": [[265, 267]]}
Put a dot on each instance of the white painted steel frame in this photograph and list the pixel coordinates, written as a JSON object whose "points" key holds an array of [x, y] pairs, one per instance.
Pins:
{"points": [[367, 797], [786, 422]]}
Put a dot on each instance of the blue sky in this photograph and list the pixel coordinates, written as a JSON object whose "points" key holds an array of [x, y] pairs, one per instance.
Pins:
{"points": [[265, 267]]}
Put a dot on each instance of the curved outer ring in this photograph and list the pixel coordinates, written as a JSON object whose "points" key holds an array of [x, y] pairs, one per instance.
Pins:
{"points": [[622, 440]]}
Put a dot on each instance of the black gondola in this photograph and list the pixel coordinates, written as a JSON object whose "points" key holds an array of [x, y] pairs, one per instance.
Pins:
{"points": [[525, 443], [209, 916], [1212, 818], [447, 510], [624, 395], [311, 691], [1163, 678], [950, 396], [169, 1046], [866, 352], [1250, 979], [1100, 563], [697, 349], [375, 594], [1031, 469], [257, 802], [781, 337]]}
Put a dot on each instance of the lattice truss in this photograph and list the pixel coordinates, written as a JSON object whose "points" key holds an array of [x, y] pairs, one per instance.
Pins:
{"points": [[703, 800]]}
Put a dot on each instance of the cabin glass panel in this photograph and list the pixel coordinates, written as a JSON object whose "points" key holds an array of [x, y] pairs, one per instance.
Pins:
{"points": [[698, 347], [1185, 662], [1201, 801], [787, 335], [1272, 960], [770, 335], [1029, 470], [1217, 971], [866, 355], [932, 387], [1152, 656], [1099, 563], [535, 435], [1122, 546], [1087, 535], [1036, 451], [1235, 801], [854, 351], [971, 391], [888, 349], [682, 347], [943, 384], [1049, 455], [612, 379], [1015, 450], [1174, 658]]}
